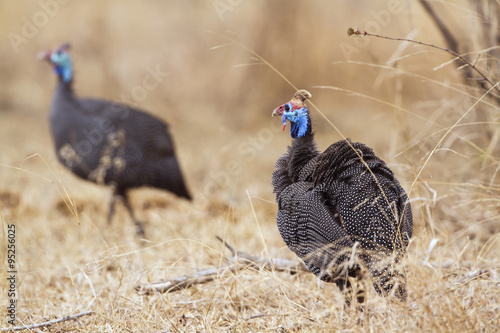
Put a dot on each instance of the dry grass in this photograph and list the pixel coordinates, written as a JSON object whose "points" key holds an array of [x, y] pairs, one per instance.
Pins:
{"points": [[220, 116]]}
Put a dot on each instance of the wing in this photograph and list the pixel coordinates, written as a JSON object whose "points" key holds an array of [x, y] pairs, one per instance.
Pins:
{"points": [[149, 133], [312, 229], [129, 146], [371, 202]]}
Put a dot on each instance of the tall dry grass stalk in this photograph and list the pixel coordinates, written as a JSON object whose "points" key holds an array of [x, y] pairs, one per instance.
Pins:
{"points": [[416, 110]]}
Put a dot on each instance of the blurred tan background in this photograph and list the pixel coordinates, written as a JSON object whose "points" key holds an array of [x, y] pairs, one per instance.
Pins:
{"points": [[218, 96], [114, 43]]}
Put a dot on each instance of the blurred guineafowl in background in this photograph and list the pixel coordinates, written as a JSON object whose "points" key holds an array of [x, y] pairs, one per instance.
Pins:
{"points": [[110, 143], [342, 211]]}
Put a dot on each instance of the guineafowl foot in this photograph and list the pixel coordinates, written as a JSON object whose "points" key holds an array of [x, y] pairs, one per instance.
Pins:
{"points": [[139, 229], [122, 195], [138, 224], [360, 296], [347, 288]]}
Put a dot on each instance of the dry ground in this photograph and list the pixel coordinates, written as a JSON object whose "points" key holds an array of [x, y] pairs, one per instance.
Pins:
{"points": [[227, 143]]}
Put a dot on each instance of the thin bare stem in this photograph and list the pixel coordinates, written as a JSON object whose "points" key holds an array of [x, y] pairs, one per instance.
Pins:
{"points": [[47, 323], [446, 134], [238, 259], [357, 32]]}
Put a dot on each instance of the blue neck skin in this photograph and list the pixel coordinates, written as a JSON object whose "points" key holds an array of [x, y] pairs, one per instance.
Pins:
{"points": [[63, 66], [298, 120], [65, 72]]}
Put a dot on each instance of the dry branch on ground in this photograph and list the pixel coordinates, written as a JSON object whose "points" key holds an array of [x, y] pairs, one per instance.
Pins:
{"points": [[238, 260], [48, 323]]}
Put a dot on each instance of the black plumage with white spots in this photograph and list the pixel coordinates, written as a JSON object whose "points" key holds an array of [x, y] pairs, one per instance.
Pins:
{"points": [[342, 211], [110, 143]]}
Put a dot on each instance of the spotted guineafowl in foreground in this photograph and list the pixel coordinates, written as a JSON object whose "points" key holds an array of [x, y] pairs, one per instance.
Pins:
{"points": [[342, 211], [110, 143]]}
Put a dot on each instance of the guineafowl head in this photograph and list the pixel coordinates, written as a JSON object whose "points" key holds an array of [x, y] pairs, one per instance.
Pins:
{"points": [[60, 60], [296, 112]]}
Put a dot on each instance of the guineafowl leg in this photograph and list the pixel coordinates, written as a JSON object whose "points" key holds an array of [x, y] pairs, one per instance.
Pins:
{"points": [[385, 285], [111, 210], [360, 295], [389, 277], [138, 224], [345, 287], [361, 287]]}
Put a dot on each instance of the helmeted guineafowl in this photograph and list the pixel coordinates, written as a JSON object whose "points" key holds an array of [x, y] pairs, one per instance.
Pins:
{"points": [[110, 143], [342, 211]]}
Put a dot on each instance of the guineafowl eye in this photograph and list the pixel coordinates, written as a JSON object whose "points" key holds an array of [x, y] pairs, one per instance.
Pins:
{"points": [[137, 145], [330, 211]]}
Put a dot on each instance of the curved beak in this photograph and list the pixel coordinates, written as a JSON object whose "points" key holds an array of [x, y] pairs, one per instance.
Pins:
{"points": [[44, 55], [279, 112], [276, 112]]}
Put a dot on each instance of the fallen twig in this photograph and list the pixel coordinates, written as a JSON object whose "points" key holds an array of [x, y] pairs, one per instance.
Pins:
{"points": [[47, 323], [292, 266], [238, 259], [469, 277], [183, 282]]}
